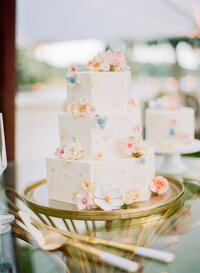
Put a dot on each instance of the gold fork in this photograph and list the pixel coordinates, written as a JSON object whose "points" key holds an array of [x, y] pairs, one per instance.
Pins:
{"points": [[50, 240], [159, 255]]}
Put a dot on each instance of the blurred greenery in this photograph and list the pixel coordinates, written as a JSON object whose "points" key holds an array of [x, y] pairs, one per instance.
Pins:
{"points": [[195, 42], [24, 259], [31, 71]]}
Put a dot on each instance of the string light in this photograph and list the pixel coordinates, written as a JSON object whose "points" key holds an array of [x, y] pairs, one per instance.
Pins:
{"points": [[126, 14]]}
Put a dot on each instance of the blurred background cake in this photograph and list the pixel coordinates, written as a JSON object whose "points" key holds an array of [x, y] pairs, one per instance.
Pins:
{"points": [[169, 125]]}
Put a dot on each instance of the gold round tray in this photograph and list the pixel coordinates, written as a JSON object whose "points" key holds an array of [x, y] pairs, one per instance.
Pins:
{"points": [[35, 196]]}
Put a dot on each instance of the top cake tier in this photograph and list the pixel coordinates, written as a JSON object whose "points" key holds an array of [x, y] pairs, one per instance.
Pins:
{"points": [[106, 92]]}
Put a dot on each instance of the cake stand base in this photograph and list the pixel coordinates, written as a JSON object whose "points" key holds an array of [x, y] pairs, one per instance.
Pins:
{"points": [[36, 197], [172, 163]]}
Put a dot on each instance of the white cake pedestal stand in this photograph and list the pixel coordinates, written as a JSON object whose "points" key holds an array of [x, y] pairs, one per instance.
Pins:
{"points": [[172, 163]]}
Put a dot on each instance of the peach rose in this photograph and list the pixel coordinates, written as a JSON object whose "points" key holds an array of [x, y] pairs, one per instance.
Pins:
{"points": [[159, 185]]}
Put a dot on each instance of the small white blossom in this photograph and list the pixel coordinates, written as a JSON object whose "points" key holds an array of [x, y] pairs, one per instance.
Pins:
{"points": [[107, 197]]}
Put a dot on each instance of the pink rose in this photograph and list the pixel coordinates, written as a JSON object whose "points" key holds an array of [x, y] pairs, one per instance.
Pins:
{"points": [[159, 185], [84, 200]]}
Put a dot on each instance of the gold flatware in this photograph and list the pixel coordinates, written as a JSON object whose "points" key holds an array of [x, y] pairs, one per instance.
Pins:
{"points": [[50, 240], [159, 255]]}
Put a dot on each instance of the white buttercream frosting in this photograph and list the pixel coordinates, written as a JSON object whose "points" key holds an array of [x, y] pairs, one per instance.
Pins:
{"points": [[100, 115]]}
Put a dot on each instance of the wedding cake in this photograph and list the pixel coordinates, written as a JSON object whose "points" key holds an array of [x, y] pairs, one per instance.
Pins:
{"points": [[169, 125], [102, 161]]}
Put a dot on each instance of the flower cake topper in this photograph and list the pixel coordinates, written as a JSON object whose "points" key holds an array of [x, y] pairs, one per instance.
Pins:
{"points": [[72, 77], [165, 103], [108, 61]]}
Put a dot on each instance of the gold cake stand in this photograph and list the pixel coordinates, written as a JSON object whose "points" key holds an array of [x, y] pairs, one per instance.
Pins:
{"points": [[35, 196]]}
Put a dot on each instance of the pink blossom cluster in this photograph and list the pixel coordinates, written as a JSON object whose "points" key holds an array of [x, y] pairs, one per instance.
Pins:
{"points": [[84, 200], [133, 146], [108, 61]]}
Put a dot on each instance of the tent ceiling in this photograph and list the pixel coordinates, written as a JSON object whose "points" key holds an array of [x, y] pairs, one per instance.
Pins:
{"points": [[141, 20]]}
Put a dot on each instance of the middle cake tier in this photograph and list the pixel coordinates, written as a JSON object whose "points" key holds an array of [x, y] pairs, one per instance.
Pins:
{"points": [[99, 135]]}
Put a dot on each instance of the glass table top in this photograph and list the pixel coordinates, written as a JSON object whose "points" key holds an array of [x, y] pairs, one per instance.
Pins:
{"points": [[177, 232]]}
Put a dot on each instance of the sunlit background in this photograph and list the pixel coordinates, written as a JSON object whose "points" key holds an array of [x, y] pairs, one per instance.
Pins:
{"points": [[161, 40]]}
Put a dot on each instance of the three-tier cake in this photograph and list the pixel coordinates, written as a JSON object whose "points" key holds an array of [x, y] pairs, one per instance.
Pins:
{"points": [[102, 161]]}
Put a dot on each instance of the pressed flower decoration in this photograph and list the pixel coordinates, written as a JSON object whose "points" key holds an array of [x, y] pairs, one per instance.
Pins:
{"points": [[83, 100], [60, 151], [187, 138], [100, 121], [133, 146], [87, 185], [108, 61], [176, 135], [70, 152], [137, 131], [172, 130], [135, 193], [83, 108], [159, 185], [72, 77], [99, 156], [84, 200], [165, 103], [132, 103], [107, 197], [127, 198]]}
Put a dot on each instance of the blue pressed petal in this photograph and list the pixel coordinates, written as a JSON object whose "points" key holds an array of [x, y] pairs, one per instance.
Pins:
{"points": [[172, 132], [101, 121]]}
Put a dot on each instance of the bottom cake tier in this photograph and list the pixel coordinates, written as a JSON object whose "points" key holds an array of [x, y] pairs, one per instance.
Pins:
{"points": [[131, 176]]}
